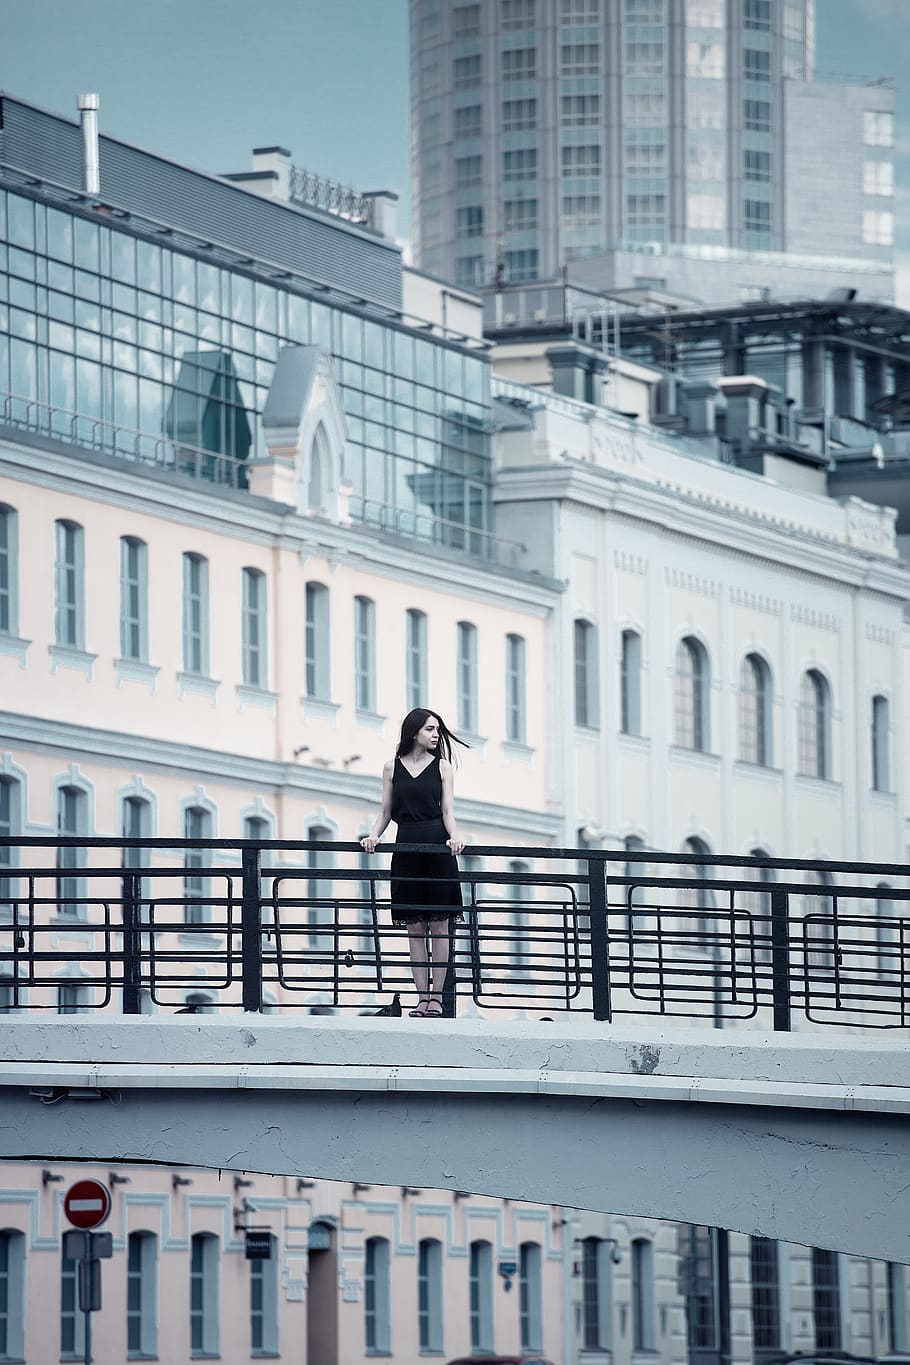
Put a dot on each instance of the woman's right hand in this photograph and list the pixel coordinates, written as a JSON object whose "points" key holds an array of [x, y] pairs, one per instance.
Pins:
{"points": [[368, 844]]}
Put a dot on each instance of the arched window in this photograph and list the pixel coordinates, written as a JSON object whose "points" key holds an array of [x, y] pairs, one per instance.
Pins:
{"points": [[429, 1294], [881, 744], [700, 896], [10, 824], [204, 1293], [821, 914], [765, 1292], [69, 580], [198, 823], [12, 1294], [319, 886], [757, 904], [264, 1302], [755, 695], [481, 1296], [377, 1296], [630, 683], [416, 658], [364, 654], [134, 615], [585, 642], [692, 695], [196, 615], [635, 895], [826, 1310], [318, 486], [136, 823], [72, 819], [142, 1294], [642, 1295], [814, 725], [467, 677], [530, 1296], [9, 571], [516, 707], [318, 657], [889, 953], [597, 1294], [255, 629]]}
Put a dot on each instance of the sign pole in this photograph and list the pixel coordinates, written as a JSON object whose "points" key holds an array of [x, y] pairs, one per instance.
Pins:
{"points": [[87, 1296]]}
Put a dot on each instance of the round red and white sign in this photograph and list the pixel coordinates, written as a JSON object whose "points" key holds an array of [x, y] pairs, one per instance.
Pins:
{"points": [[87, 1204]]}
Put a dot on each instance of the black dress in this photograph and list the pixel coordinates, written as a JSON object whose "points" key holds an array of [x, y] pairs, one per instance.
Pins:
{"points": [[424, 885]]}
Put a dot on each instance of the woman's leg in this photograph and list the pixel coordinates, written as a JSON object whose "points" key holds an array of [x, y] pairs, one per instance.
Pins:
{"points": [[439, 942], [417, 946]]}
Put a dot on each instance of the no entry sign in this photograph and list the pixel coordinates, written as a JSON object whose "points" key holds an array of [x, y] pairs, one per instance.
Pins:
{"points": [[87, 1204]]}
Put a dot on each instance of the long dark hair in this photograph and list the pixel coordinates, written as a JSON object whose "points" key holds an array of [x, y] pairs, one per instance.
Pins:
{"points": [[414, 721]]}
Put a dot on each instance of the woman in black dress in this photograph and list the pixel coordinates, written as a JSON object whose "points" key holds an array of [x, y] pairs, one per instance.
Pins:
{"points": [[418, 794]]}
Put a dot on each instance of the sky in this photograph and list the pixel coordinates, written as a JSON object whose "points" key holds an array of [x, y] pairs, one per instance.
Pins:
{"points": [[205, 81]]}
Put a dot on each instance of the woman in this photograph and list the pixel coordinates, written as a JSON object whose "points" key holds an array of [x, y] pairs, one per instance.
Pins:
{"points": [[418, 794]]}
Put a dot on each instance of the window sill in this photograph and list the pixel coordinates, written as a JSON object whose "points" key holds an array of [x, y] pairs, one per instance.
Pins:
{"points": [[589, 731], [373, 721], [766, 770], [198, 684], [517, 752], [136, 670], [885, 797], [142, 1355], [265, 1355], [374, 1352], [810, 780], [256, 696], [633, 738], [699, 755], [64, 656], [319, 708], [18, 648]]}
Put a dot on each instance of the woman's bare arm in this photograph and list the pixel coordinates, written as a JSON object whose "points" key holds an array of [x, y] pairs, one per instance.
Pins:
{"points": [[368, 844], [446, 772]]}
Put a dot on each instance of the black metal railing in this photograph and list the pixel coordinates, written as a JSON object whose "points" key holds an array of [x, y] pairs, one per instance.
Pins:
{"points": [[188, 925]]}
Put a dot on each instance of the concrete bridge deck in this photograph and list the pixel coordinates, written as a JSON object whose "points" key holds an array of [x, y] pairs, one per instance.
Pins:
{"points": [[805, 1138]]}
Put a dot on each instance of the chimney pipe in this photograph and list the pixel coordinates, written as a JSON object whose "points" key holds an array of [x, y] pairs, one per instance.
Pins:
{"points": [[88, 117]]}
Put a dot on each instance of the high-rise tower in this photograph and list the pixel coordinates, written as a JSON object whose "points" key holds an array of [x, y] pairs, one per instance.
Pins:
{"points": [[641, 140]]}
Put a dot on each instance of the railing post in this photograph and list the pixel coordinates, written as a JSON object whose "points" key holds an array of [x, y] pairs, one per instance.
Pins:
{"points": [[780, 960], [600, 939], [131, 891], [251, 931]]}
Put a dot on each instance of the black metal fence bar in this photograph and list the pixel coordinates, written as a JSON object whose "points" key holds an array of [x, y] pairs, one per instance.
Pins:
{"points": [[195, 925]]}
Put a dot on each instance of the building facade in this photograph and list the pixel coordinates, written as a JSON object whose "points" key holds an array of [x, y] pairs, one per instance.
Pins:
{"points": [[686, 146]]}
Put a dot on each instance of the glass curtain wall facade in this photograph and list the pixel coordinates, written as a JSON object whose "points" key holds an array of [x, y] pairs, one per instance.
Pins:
{"points": [[545, 130], [127, 345]]}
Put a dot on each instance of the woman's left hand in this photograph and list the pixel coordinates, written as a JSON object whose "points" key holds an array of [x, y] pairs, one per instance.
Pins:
{"points": [[455, 846]]}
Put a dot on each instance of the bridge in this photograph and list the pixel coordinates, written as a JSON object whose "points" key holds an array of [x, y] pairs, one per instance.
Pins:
{"points": [[804, 1139], [655, 1069]]}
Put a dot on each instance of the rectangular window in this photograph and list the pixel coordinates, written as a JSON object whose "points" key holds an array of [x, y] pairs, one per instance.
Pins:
{"points": [[519, 215], [9, 571], [521, 265], [481, 1296], [579, 11], [317, 669], [466, 21], [757, 165], [467, 677], [516, 723], [757, 116], [429, 1295], [756, 64], [579, 111], [519, 64], [757, 15], [376, 1296], [878, 128], [141, 1294], [826, 1300], [469, 271], [469, 121], [466, 72], [264, 1303], [416, 659], [765, 1294], [878, 227], [72, 1321], [517, 14], [72, 819], [70, 586], [469, 221], [255, 646], [197, 824], [530, 1315], [580, 210], [204, 1294], [133, 599], [878, 178], [579, 59], [757, 215], [520, 164], [580, 160], [364, 654], [196, 615], [519, 116], [585, 675], [468, 172]]}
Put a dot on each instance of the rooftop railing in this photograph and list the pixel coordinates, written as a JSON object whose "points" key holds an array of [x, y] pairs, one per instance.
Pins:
{"points": [[189, 927]]}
